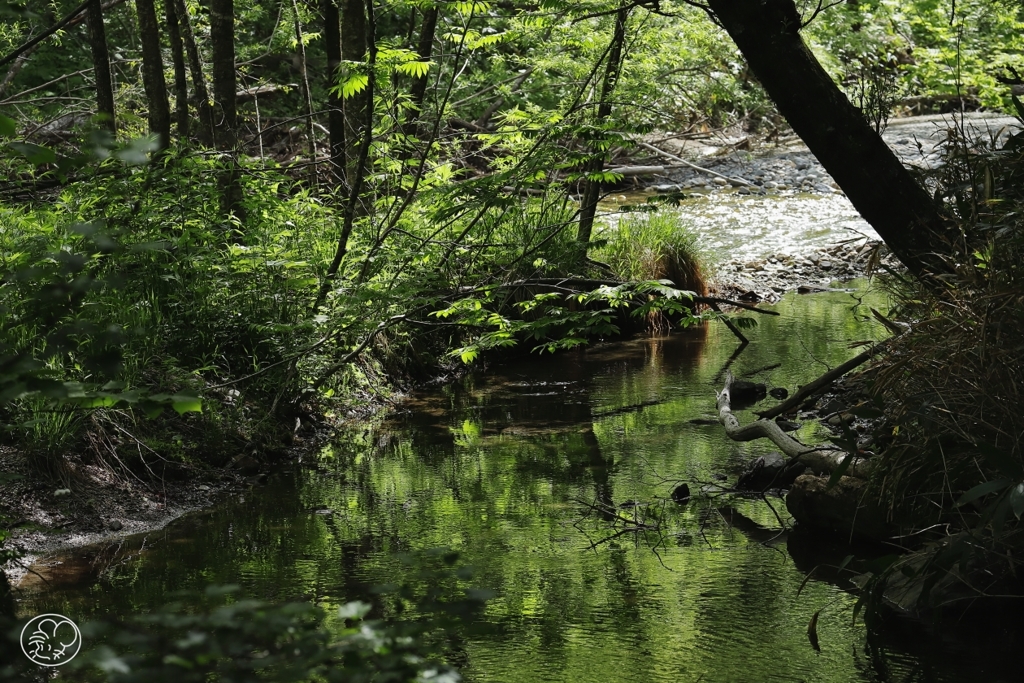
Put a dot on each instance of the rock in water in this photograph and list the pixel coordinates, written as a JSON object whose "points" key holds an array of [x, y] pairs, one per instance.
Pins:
{"points": [[780, 393], [744, 393], [772, 471], [681, 493], [787, 425]]}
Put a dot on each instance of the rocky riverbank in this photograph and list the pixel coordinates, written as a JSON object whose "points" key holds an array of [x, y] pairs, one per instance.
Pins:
{"points": [[746, 164]]}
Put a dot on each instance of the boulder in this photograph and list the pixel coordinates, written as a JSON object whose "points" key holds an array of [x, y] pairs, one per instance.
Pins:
{"points": [[772, 471], [844, 508]]}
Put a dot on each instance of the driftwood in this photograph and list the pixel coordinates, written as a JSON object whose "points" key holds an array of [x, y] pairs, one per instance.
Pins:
{"points": [[832, 375], [673, 157], [633, 171], [820, 460]]}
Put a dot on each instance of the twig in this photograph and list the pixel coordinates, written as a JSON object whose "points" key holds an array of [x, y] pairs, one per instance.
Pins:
{"points": [[823, 381]]}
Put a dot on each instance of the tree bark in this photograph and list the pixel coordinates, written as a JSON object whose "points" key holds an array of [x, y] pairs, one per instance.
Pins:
{"points": [[222, 40], [180, 76], [195, 66], [357, 108], [424, 49], [306, 95], [101, 66], [882, 190], [225, 113], [153, 72], [592, 188], [335, 106]]}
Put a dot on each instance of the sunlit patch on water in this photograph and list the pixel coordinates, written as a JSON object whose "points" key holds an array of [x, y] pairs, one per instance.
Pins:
{"points": [[748, 227]]}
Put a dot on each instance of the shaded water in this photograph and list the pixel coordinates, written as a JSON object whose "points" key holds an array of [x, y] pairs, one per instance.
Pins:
{"points": [[502, 468]]}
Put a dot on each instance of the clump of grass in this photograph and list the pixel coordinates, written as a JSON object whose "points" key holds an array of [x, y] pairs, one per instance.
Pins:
{"points": [[657, 246]]}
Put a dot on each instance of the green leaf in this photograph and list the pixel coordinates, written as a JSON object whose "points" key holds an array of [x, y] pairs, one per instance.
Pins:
{"points": [[186, 403], [138, 150], [983, 490], [35, 154], [8, 127], [414, 69], [354, 610], [354, 84]]}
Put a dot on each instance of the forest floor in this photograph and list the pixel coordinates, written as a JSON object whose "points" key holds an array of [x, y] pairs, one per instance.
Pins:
{"points": [[47, 518]]}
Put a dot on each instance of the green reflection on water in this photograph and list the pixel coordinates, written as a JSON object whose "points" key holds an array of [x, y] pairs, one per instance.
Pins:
{"points": [[496, 468]]}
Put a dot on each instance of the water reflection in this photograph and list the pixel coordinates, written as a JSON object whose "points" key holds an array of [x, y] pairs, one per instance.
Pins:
{"points": [[496, 468]]}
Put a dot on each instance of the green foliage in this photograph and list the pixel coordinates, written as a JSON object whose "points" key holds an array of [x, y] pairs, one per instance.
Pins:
{"points": [[932, 51], [217, 635], [656, 246]]}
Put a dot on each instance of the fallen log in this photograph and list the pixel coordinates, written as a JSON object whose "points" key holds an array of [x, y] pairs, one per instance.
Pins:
{"points": [[832, 375], [821, 460], [673, 157], [633, 171]]}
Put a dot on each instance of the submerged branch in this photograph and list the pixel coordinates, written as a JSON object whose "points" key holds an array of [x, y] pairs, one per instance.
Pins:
{"points": [[821, 461], [820, 383]]}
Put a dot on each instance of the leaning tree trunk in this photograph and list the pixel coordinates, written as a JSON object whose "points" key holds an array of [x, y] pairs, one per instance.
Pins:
{"points": [[592, 188], [335, 106], [882, 190], [195, 66], [180, 75], [101, 66], [153, 72]]}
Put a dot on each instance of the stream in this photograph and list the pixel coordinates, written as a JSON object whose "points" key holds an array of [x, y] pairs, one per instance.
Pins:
{"points": [[502, 468]]}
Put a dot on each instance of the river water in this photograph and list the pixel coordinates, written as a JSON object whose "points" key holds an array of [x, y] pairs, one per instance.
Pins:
{"points": [[505, 467], [502, 468]]}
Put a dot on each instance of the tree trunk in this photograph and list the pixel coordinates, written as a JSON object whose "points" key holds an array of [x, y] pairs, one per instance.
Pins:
{"points": [[225, 113], [101, 66], [357, 107], [418, 91], [306, 95], [195, 65], [180, 77], [882, 190], [335, 106], [592, 188], [153, 72], [222, 40]]}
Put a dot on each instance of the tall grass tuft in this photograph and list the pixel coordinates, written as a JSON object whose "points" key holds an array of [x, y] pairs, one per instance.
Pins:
{"points": [[657, 246]]}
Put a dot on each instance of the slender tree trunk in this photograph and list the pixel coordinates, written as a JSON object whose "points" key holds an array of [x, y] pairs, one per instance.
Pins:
{"points": [[225, 116], [222, 40], [101, 66], [592, 188], [335, 106], [195, 66], [153, 72], [418, 91], [307, 96], [357, 107], [180, 77], [882, 190]]}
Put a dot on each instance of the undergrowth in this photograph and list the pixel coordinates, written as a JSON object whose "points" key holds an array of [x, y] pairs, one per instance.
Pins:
{"points": [[954, 384]]}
